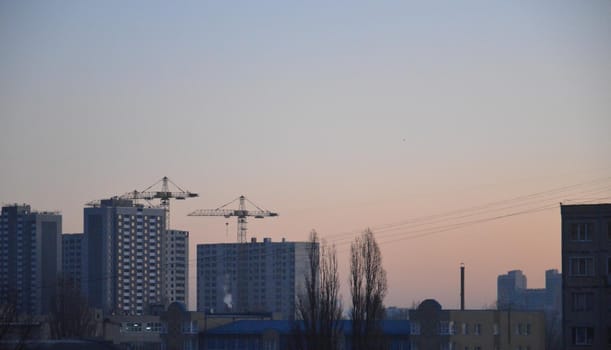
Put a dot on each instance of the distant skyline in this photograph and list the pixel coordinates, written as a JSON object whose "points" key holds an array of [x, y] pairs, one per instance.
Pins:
{"points": [[337, 116]]}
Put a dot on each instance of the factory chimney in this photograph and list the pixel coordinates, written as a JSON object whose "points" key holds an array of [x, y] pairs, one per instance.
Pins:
{"points": [[462, 286]]}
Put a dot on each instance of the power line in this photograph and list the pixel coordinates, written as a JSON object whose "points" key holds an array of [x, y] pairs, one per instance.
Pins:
{"points": [[474, 209]]}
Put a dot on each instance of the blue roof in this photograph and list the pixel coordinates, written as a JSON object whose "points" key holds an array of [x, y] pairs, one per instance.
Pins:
{"points": [[253, 327]]}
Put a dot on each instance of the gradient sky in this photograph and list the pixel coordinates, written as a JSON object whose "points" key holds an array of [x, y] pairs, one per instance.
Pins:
{"points": [[339, 116]]}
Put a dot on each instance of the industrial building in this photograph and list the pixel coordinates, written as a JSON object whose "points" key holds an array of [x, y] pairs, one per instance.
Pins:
{"points": [[30, 257], [251, 277], [586, 278]]}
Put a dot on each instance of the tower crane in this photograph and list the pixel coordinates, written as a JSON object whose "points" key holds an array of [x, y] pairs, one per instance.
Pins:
{"points": [[164, 195], [241, 213]]}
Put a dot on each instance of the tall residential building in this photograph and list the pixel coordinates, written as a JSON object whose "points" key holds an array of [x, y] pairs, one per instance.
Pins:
{"points": [[176, 266], [30, 257], [124, 252], [73, 258], [251, 277], [586, 278], [512, 292], [509, 288]]}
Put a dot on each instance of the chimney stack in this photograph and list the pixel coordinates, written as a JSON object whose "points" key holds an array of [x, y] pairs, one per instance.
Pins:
{"points": [[462, 286]]}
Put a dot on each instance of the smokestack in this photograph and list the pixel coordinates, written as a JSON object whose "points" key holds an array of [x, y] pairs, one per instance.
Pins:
{"points": [[462, 286]]}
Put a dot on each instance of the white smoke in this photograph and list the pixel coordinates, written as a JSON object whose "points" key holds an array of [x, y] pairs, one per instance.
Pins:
{"points": [[227, 299]]}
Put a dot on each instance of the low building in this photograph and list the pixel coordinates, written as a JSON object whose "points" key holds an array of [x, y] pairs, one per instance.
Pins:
{"points": [[435, 328], [277, 334], [172, 329]]}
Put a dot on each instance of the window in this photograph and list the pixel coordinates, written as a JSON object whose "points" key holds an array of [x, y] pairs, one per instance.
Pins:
{"points": [[583, 335], [581, 266], [477, 329], [495, 329], [465, 329], [153, 327], [583, 301], [581, 232], [131, 327], [444, 327], [528, 329], [414, 328]]}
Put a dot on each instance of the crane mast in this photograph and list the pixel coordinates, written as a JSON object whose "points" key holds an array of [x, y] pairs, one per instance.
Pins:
{"points": [[241, 213]]}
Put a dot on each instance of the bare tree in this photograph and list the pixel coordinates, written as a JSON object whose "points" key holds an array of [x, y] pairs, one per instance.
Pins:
{"points": [[553, 330], [319, 307], [15, 327], [70, 315], [8, 316], [368, 288]]}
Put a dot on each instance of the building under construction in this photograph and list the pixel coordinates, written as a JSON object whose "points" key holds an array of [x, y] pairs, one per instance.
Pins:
{"points": [[134, 261], [251, 277]]}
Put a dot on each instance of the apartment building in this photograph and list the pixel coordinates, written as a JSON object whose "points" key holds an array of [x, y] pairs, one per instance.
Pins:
{"points": [[586, 278], [30, 257], [431, 327], [251, 277], [124, 253], [176, 266], [73, 259]]}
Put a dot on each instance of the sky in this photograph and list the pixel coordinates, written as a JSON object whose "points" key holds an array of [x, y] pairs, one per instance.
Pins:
{"points": [[451, 129]]}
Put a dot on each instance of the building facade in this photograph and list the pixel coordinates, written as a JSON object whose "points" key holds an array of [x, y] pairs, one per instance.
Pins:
{"points": [[251, 277], [510, 288], [431, 327], [73, 258], [586, 281], [176, 266], [30, 258], [512, 292], [124, 256], [278, 334]]}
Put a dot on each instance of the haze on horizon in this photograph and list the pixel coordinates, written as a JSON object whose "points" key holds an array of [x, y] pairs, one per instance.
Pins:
{"points": [[338, 116]]}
